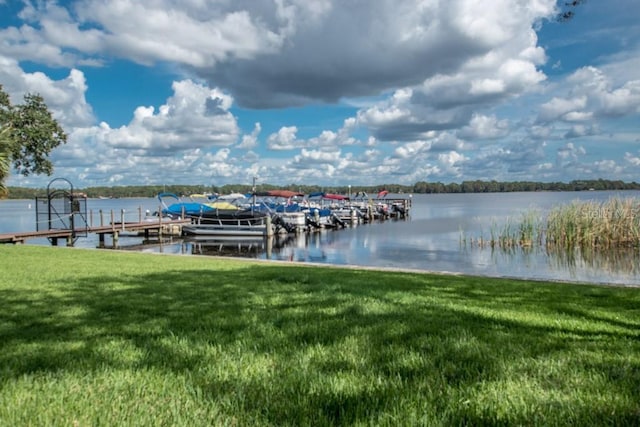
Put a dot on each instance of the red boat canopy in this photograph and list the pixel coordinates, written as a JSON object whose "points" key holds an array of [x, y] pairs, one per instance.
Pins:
{"points": [[280, 193], [335, 196]]}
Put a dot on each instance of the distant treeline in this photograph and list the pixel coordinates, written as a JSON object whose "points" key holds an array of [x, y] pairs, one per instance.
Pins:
{"points": [[418, 188]]}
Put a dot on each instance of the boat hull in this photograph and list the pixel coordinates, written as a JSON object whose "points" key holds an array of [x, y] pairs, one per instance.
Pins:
{"points": [[225, 230]]}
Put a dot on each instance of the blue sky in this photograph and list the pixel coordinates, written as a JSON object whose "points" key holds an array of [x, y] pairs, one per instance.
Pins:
{"points": [[329, 92]]}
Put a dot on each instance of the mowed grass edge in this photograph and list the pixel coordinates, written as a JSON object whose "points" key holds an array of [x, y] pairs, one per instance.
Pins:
{"points": [[110, 338]]}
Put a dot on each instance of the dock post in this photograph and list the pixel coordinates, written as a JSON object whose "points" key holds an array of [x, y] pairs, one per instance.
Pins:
{"points": [[70, 240], [160, 225], [269, 247], [122, 219], [268, 228], [115, 239], [101, 240], [101, 218]]}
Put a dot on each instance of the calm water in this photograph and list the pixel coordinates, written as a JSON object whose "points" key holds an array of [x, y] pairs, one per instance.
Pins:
{"points": [[429, 240]]}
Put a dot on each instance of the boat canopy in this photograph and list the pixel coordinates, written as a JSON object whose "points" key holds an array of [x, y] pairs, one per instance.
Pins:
{"points": [[279, 193], [180, 207], [232, 196], [223, 204], [328, 195], [168, 195], [335, 196]]}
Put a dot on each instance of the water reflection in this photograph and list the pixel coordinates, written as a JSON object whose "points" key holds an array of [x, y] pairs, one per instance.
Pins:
{"points": [[420, 252], [619, 261], [245, 247]]}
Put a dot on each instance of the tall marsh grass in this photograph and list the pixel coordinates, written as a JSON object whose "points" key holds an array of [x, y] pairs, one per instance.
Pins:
{"points": [[585, 225], [614, 223]]}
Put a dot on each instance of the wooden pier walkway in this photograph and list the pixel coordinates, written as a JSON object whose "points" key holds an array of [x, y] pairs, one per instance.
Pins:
{"points": [[22, 236], [113, 229]]}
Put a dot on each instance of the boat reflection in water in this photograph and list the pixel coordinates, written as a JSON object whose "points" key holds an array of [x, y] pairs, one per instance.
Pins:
{"points": [[235, 246], [301, 247]]}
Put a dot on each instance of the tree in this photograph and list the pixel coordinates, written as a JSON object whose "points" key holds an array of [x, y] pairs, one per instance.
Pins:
{"points": [[5, 163], [566, 13], [28, 135]]}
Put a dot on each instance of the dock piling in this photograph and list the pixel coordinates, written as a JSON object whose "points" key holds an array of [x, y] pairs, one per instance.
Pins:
{"points": [[268, 228]]}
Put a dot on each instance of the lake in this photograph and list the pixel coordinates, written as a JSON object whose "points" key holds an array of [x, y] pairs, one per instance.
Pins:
{"points": [[434, 238]]}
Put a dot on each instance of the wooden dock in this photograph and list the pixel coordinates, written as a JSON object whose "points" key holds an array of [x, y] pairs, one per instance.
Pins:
{"points": [[21, 237], [113, 229]]}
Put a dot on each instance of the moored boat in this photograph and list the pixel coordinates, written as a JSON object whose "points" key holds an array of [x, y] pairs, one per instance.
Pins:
{"points": [[212, 229]]}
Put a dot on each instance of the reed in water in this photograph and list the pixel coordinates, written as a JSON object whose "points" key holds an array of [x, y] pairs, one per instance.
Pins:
{"points": [[610, 224]]}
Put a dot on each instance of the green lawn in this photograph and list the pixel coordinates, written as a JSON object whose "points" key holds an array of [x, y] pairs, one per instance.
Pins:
{"points": [[104, 338]]}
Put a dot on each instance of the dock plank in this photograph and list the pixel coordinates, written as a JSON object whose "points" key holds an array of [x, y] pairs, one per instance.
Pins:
{"points": [[25, 235], [21, 237]]}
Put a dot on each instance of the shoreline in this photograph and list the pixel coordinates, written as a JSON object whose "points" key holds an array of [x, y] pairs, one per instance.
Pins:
{"points": [[356, 267]]}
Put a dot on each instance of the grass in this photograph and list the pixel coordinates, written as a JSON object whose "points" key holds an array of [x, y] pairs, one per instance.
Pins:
{"points": [[102, 338]]}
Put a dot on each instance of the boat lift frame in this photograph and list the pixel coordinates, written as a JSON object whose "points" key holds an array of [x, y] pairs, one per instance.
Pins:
{"points": [[62, 209]]}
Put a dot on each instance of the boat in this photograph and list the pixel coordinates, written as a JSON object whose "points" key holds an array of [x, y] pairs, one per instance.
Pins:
{"points": [[231, 216], [179, 208], [284, 207], [296, 220], [222, 229], [238, 223], [279, 201], [195, 209], [335, 215], [208, 219]]}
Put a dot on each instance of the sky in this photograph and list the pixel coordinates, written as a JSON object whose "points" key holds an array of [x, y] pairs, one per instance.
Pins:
{"points": [[329, 92]]}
